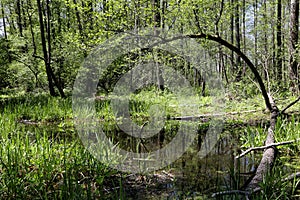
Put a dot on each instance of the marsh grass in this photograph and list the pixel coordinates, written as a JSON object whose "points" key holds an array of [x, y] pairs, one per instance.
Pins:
{"points": [[42, 157]]}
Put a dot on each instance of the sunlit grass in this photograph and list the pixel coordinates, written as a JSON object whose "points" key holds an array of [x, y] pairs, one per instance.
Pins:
{"points": [[41, 156]]}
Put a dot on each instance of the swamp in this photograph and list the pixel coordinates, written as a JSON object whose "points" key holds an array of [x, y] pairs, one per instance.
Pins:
{"points": [[160, 99]]}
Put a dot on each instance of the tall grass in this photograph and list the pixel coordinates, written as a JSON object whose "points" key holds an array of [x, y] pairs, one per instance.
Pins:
{"points": [[41, 156]]}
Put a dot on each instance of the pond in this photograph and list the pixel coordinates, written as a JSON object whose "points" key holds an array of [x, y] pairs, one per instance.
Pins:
{"points": [[190, 176]]}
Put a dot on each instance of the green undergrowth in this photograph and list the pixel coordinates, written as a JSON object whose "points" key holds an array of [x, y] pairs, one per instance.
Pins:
{"points": [[287, 159], [42, 157], [38, 108]]}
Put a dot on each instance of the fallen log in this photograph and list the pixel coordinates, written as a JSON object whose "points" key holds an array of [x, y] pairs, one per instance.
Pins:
{"points": [[269, 155]]}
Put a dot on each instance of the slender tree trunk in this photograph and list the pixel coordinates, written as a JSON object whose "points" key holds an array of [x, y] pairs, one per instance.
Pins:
{"points": [[24, 8], [244, 34], [157, 24], [163, 11], [5, 32], [265, 32], [238, 39], [255, 31], [19, 17], [61, 92], [68, 14], [29, 6], [78, 18], [279, 41], [44, 47], [232, 33], [3, 21], [294, 26]]}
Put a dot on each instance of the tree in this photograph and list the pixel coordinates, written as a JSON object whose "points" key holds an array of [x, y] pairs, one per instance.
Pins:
{"points": [[294, 28], [279, 41], [52, 81]]}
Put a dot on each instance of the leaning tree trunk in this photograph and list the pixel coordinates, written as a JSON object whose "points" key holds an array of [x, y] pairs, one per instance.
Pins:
{"points": [[269, 154]]}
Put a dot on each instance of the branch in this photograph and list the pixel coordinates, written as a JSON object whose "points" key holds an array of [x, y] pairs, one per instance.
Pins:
{"points": [[229, 192], [223, 42], [211, 115], [290, 105], [241, 192], [265, 147], [39, 57], [292, 176], [243, 56]]}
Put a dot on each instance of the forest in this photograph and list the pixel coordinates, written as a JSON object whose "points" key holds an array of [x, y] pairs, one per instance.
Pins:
{"points": [[149, 99]]}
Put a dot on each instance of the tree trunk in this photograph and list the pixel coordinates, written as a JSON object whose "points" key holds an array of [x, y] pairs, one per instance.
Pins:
{"points": [[238, 39], [232, 33], [78, 18], [45, 53], [255, 31], [58, 86], [157, 24], [19, 17], [266, 51], [269, 154], [294, 26], [279, 41], [5, 32]]}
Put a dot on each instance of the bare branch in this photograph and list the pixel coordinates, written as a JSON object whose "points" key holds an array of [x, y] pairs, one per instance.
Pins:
{"points": [[265, 147], [290, 105], [292, 177], [241, 192], [230, 192], [223, 42], [37, 56]]}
